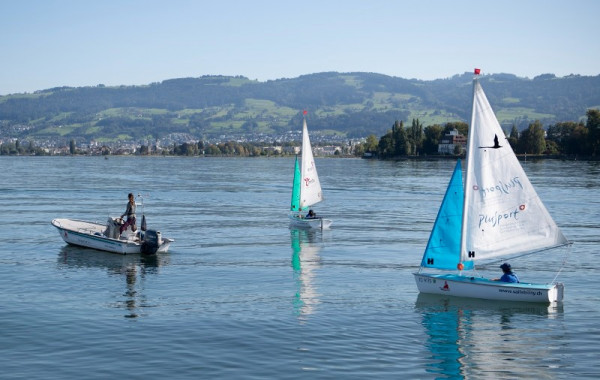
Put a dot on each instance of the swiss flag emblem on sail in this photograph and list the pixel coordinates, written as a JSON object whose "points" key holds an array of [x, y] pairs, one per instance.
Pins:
{"points": [[477, 71]]}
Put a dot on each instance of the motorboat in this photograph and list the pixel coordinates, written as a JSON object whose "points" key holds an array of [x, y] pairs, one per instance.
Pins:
{"points": [[106, 236]]}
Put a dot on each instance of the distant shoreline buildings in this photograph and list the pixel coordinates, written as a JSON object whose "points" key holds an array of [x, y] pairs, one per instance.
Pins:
{"points": [[453, 143], [183, 144]]}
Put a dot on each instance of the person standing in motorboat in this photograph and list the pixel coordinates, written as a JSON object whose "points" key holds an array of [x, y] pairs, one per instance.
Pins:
{"points": [[130, 212]]}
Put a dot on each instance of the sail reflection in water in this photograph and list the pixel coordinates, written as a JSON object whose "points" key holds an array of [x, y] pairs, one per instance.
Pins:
{"points": [[474, 338], [305, 261], [133, 268]]}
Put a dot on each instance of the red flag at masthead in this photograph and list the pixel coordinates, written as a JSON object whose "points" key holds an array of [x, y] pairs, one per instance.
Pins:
{"points": [[304, 112], [477, 71]]}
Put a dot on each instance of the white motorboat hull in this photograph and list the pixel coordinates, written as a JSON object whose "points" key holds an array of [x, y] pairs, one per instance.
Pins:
{"points": [[309, 223], [478, 287], [91, 235]]}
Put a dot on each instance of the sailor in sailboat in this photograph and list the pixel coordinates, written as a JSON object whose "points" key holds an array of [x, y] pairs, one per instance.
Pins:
{"points": [[508, 274]]}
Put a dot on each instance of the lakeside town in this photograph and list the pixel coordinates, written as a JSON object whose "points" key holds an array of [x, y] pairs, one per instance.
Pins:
{"points": [[176, 144], [184, 144], [574, 139]]}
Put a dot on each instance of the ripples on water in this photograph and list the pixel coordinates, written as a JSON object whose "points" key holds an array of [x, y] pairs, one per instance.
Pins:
{"points": [[240, 295]]}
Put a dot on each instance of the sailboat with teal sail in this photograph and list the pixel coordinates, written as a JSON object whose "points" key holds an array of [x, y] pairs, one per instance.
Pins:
{"points": [[306, 189], [495, 215]]}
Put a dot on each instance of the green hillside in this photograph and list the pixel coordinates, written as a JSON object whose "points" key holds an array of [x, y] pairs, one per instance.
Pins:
{"points": [[352, 104]]}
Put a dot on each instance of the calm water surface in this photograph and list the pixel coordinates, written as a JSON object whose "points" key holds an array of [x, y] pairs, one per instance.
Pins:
{"points": [[240, 295]]}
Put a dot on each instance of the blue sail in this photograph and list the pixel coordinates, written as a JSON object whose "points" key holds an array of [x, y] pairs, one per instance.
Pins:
{"points": [[443, 247]]}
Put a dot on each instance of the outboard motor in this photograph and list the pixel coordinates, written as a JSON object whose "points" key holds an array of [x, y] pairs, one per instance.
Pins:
{"points": [[152, 240]]}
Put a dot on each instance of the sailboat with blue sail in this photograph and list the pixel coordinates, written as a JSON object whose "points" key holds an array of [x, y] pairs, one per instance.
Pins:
{"points": [[495, 215], [306, 189]]}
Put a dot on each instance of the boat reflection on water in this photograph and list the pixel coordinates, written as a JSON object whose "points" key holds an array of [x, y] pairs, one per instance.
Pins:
{"points": [[133, 268], [468, 337], [305, 262]]}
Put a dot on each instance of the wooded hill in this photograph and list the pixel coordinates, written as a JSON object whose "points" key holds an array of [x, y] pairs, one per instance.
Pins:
{"points": [[348, 104]]}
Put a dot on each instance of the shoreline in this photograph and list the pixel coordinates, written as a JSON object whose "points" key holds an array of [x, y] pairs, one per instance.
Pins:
{"points": [[520, 157]]}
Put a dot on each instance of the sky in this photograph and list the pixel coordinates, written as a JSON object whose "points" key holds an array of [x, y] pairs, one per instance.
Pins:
{"points": [[52, 43]]}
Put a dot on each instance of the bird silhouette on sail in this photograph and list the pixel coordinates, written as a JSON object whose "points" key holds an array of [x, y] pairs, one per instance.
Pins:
{"points": [[496, 144]]}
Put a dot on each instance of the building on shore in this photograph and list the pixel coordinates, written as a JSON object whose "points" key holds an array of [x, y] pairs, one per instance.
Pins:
{"points": [[452, 142]]}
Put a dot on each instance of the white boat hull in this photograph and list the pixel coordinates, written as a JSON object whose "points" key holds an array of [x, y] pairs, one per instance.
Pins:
{"points": [[477, 287], [310, 223], [437, 302], [91, 235]]}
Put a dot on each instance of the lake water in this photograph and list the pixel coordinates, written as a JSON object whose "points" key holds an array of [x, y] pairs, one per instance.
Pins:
{"points": [[240, 295]]}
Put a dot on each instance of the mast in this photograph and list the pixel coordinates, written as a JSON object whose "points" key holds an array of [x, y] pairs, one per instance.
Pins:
{"points": [[463, 233], [305, 146]]}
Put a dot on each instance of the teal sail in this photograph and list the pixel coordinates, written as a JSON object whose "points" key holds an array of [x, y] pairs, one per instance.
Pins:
{"points": [[295, 205], [443, 247]]}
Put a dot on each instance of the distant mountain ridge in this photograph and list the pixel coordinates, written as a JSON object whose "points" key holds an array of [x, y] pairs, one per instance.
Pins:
{"points": [[349, 104]]}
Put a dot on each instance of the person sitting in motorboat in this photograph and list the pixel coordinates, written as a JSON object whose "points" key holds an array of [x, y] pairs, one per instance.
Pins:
{"points": [[508, 274], [311, 215], [130, 212]]}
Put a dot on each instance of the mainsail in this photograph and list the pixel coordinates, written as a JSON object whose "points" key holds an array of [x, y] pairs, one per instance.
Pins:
{"points": [[310, 192], [503, 215]]}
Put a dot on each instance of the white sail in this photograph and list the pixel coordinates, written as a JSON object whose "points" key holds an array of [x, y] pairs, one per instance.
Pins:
{"points": [[503, 215], [310, 189]]}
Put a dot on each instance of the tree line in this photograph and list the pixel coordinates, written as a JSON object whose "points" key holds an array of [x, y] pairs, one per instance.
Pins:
{"points": [[562, 138]]}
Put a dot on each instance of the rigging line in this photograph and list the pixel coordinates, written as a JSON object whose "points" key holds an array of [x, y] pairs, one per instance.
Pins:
{"points": [[509, 257], [564, 262]]}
